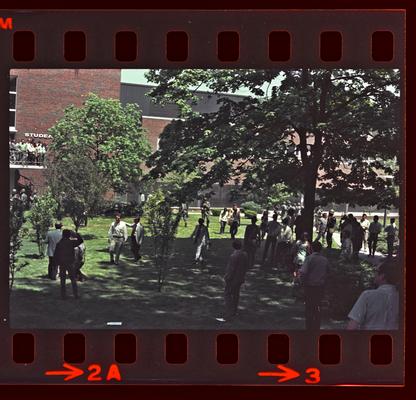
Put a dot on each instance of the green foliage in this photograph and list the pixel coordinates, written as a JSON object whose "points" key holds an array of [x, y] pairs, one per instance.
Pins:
{"points": [[107, 133], [249, 213], [78, 185], [16, 232], [41, 217], [296, 127], [345, 284], [216, 212], [162, 224], [251, 206]]}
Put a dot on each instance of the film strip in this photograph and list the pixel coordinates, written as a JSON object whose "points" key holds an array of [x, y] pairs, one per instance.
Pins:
{"points": [[195, 39]]}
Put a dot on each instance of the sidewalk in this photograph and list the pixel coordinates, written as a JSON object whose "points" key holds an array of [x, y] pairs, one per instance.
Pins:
{"points": [[378, 257]]}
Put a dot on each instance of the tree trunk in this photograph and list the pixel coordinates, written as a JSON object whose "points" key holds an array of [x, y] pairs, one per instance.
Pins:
{"points": [[309, 202]]}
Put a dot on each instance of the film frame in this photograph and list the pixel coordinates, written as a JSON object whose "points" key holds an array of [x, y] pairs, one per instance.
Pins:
{"points": [[151, 365]]}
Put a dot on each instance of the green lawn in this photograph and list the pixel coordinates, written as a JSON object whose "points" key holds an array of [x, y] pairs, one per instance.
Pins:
{"points": [[191, 298]]}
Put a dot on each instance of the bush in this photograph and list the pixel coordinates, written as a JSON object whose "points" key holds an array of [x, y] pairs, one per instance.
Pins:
{"points": [[251, 206], [216, 211], [249, 213]]}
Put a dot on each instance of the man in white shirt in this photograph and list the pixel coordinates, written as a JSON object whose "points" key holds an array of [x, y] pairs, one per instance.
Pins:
{"points": [[378, 309], [117, 236], [52, 238], [365, 224]]}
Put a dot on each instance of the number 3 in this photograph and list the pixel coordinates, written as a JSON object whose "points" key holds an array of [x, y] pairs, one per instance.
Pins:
{"points": [[314, 374]]}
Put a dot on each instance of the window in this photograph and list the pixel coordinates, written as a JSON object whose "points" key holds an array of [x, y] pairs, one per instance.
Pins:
{"points": [[12, 103]]}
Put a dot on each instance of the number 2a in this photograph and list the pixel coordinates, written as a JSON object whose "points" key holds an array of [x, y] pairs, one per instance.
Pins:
{"points": [[95, 370]]}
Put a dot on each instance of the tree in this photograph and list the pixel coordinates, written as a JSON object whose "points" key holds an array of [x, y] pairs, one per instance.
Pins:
{"points": [[16, 232], [304, 128], [163, 224], [79, 186], [107, 133], [41, 216]]}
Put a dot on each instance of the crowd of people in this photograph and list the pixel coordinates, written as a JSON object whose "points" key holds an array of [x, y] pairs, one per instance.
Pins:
{"points": [[284, 243], [27, 152], [24, 197]]}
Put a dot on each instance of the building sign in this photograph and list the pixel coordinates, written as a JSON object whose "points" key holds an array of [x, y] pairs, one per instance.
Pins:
{"points": [[39, 135]]}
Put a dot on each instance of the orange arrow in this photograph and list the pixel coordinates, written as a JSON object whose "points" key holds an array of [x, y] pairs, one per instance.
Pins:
{"points": [[286, 375], [71, 372]]}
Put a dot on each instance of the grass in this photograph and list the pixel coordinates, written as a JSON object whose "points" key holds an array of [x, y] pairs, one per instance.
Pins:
{"points": [[191, 298]]}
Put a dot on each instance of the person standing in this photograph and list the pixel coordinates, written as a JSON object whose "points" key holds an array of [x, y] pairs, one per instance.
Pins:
{"points": [[330, 228], [263, 223], [346, 247], [273, 232], [53, 236], [223, 219], [65, 258], [378, 309], [184, 213], [117, 236], [234, 277], [205, 211], [373, 231], [200, 235], [357, 237], [284, 243], [300, 250], [313, 275], [365, 224], [251, 240], [322, 227], [391, 235], [24, 198], [136, 237], [234, 221], [79, 255]]}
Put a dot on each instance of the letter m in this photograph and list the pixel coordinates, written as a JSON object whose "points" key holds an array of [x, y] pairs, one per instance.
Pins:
{"points": [[6, 23]]}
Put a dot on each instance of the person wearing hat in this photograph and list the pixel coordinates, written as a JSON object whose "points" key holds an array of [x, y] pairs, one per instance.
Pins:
{"points": [[52, 238], [330, 228]]}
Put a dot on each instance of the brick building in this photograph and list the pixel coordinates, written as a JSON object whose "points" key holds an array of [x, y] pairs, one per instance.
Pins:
{"points": [[39, 96], [37, 100]]}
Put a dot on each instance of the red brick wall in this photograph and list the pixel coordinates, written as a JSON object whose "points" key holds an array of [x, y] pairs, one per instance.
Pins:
{"points": [[43, 94], [154, 128]]}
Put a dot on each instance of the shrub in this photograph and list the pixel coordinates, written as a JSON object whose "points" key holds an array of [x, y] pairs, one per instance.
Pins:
{"points": [[251, 206], [249, 213], [216, 211]]}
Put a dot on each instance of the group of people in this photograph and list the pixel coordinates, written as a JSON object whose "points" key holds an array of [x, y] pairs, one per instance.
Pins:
{"points": [[23, 198], [66, 252], [27, 152], [356, 234], [375, 308]]}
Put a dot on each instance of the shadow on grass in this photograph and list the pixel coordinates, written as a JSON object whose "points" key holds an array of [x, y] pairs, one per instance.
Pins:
{"points": [[89, 236], [33, 256], [191, 297]]}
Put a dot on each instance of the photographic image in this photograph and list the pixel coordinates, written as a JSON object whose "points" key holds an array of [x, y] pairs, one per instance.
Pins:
{"points": [[206, 199]]}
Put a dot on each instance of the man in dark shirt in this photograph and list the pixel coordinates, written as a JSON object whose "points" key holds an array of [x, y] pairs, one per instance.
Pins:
{"points": [[234, 278], [252, 240], [65, 258], [313, 275]]}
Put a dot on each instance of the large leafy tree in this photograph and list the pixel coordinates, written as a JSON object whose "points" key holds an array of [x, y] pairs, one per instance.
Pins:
{"points": [[307, 128], [78, 185], [107, 133]]}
